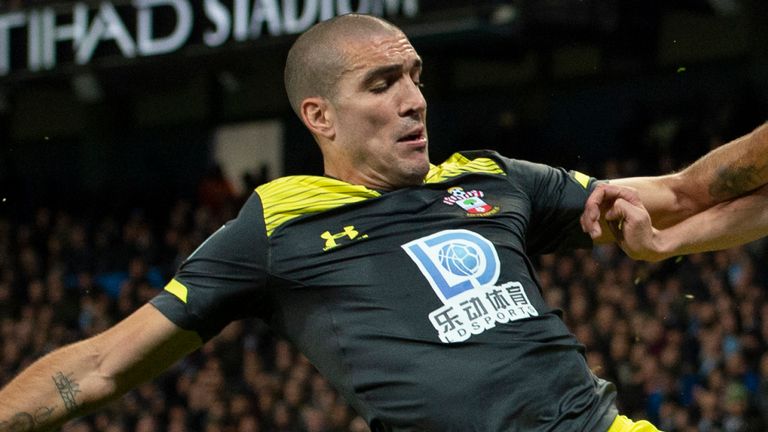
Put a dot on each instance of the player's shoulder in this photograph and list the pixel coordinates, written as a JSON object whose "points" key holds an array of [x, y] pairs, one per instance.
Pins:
{"points": [[470, 161], [309, 187], [491, 162], [289, 197]]}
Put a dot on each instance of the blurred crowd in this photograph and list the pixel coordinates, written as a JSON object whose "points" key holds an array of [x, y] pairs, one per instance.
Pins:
{"points": [[64, 277], [684, 340]]}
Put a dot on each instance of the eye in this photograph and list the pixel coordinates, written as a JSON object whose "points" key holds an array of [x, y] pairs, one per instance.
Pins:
{"points": [[380, 88], [382, 85], [416, 79]]}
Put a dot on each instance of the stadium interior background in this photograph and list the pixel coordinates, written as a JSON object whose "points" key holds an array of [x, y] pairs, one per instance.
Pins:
{"points": [[612, 88], [570, 83]]}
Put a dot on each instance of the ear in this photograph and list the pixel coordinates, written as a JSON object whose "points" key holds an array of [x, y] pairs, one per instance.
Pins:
{"points": [[318, 115]]}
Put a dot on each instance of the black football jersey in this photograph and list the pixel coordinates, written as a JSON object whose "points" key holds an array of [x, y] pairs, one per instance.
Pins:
{"points": [[420, 305]]}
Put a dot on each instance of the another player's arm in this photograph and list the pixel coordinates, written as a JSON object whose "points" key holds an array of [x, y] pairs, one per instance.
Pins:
{"points": [[724, 225], [81, 377], [730, 171]]}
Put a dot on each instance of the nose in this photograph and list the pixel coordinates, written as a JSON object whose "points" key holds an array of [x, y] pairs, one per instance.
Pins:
{"points": [[413, 103]]}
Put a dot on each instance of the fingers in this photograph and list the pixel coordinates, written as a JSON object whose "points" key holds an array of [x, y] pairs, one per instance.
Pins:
{"points": [[592, 206], [625, 210], [625, 216], [615, 217], [633, 230], [601, 201], [590, 218]]}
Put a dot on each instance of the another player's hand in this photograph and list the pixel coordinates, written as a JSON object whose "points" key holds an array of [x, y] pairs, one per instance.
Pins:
{"points": [[622, 212], [633, 231], [600, 201]]}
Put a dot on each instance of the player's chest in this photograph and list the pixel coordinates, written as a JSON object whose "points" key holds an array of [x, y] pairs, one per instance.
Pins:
{"points": [[451, 256], [383, 232]]}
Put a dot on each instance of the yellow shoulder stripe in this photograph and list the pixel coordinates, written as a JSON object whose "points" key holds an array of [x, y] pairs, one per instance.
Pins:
{"points": [[290, 197], [287, 198], [458, 164], [176, 288], [582, 178]]}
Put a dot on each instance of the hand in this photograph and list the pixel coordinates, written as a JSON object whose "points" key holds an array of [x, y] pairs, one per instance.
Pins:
{"points": [[631, 226], [600, 201]]}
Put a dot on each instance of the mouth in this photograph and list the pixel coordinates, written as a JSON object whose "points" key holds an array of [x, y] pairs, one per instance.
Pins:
{"points": [[415, 137]]}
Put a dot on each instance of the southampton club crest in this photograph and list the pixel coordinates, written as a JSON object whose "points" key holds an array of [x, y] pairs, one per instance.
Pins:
{"points": [[463, 268], [471, 201]]}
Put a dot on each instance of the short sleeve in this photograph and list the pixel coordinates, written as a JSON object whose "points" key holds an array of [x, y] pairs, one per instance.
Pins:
{"points": [[224, 279], [557, 200]]}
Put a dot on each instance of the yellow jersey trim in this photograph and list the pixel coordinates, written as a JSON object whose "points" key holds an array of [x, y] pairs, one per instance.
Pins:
{"points": [[582, 178], [459, 164], [624, 424], [287, 198], [176, 288]]}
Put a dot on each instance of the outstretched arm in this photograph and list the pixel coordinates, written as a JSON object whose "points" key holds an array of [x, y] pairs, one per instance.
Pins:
{"points": [[725, 225], [730, 171], [81, 377]]}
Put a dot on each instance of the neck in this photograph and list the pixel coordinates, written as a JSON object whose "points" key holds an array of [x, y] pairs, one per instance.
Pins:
{"points": [[359, 178]]}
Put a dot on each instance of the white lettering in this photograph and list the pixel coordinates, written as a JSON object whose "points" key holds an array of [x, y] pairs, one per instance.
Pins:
{"points": [[265, 11], [219, 15], [241, 20], [326, 10], [474, 311], [34, 44], [153, 46], [52, 34], [294, 24], [106, 25], [49, 37]]}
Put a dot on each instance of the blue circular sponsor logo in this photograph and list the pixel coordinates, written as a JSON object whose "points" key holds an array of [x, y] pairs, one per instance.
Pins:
{"points": [[459, 259]]}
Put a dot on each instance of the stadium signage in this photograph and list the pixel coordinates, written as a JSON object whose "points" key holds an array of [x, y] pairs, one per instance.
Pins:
{"points": [[41, 39]]}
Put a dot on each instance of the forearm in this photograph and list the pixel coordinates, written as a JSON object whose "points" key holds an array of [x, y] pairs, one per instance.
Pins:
{"points": [[729, 171], [60, 386], [723, 226], [725, 173], [82, 377]]}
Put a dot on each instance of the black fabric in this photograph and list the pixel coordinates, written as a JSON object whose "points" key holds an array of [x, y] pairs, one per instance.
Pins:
{"points": [[226, 276], [425, 311]]}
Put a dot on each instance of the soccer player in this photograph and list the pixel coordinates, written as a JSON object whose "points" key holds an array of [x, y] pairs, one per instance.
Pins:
{"points": [[408, 285]]}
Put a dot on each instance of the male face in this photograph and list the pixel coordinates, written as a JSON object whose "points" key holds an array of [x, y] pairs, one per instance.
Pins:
{"points": [[381, 113]]}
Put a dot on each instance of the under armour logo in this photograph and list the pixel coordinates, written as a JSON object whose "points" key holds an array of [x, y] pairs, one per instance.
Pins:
{"points": [[330, 238]]}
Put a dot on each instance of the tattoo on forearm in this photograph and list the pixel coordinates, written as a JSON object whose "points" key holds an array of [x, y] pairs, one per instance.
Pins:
{"points": [[43, 414], [22, 422], [67, 388], [734, 181]]}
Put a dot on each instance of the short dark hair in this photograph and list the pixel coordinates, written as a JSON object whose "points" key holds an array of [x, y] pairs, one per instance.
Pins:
{"points": [[316, 60]]}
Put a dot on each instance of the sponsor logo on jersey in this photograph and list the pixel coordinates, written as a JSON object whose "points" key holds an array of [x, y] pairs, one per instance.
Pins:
{"points": [[463, 267], [471, 201], [335, 239]]}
